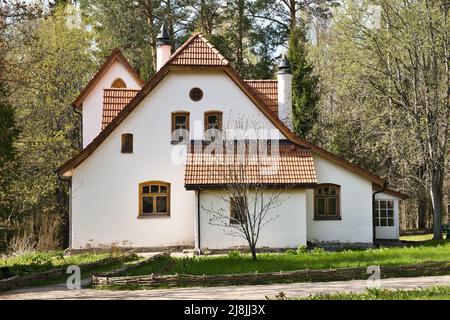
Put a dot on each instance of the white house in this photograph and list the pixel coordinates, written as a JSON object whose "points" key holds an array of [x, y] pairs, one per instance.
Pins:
{"points": [[138, 184]]}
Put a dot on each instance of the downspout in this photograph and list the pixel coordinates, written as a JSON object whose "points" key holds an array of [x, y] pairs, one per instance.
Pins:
{"points": [[198, 222], [385, 186], [76, 111]]}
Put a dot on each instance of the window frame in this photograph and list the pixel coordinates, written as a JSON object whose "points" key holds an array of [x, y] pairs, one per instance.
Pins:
{"points": [[124, 143], [173, 119], [377, 217], [233, 212], [160, 184], [337, 196]]}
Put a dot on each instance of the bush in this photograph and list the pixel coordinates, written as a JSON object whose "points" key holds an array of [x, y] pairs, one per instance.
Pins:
{"points": [[235, 254], [302, 249]]}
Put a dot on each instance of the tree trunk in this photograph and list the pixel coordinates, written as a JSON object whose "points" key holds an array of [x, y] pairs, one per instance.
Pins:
{"points": [[293, 14], [437, 198], [240, 44], [422, 207], [253, 251], [151, 33]]}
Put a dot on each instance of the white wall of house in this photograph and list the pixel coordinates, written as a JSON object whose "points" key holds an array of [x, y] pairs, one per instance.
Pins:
{"points": [[287, 230], [105, 186], [93, 102], [389, 233], [356, 208]]}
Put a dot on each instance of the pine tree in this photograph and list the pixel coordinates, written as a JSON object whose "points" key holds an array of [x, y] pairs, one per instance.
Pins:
{"points": [[304, 86]]}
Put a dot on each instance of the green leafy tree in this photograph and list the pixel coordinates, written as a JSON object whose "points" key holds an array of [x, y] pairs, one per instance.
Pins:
{"points": [[8, 134], [305, 86], [56, 62]]}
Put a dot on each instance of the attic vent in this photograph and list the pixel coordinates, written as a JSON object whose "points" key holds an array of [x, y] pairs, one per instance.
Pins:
{"points": [[119, 84], [196, 94]]}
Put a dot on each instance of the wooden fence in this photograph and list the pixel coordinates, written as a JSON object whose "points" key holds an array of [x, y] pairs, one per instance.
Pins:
{"points": [[423, 269]]}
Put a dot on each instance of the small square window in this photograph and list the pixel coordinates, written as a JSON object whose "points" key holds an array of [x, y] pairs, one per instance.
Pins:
{"points": [[154, 189], [145, 189], [127, 143]]}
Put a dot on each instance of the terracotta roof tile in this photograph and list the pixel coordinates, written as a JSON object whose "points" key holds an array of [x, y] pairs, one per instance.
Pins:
{"points": [[198, 51], [114, 100], [293, 165], [267, 90]]}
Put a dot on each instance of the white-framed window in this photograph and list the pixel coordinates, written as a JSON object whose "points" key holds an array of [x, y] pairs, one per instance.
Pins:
{"points": [[384, 213]]}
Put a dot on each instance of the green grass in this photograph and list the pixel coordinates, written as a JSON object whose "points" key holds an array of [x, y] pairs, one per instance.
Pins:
{"points": [[88, 272], [318, 259], [419, 237], [42, 261], [435, 293]]}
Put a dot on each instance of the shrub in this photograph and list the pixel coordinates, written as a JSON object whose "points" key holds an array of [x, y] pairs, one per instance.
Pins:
{"points": [[302, 249], [235, 254]]}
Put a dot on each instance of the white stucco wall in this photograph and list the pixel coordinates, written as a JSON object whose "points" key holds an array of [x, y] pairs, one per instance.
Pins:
{"points": [[93, 102], [389, 233], [356, 206], [287, 230], [105, 186]]}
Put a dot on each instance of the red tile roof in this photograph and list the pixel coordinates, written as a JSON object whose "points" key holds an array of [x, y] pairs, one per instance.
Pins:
{"points": [[198, 51], [292, 165], [267, 90], [114, 100]]}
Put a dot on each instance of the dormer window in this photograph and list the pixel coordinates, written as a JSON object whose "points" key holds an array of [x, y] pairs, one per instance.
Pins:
{"points": [[119, 84]]}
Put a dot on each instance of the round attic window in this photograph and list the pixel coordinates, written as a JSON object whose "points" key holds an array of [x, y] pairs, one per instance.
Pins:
{"points": [[196, 94]]}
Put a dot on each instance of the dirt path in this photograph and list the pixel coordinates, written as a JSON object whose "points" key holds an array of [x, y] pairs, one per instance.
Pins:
{"points": [[217, 293]]}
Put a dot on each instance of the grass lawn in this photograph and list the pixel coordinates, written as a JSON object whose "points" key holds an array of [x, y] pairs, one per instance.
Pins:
{"points": [[42, 261], [293, 260], [419, 237], [435, 293]]}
